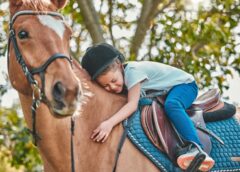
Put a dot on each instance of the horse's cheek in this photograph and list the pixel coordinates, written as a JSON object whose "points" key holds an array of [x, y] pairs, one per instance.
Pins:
{"points": [[16, 76]]}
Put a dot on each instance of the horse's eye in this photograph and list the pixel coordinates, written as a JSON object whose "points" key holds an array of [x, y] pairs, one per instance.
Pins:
{"points": [[22, 34]]}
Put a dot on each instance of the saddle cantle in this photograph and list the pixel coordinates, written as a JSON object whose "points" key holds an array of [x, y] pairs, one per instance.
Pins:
{"points": [[163, 134], [213, 108], [208, 100]]}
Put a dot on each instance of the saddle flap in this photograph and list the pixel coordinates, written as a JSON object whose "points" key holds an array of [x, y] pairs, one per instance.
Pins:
{"points": [[165, 131], [149, 126], [159, 130]]}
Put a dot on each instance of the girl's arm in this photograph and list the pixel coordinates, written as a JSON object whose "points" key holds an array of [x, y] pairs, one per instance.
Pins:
{"points": [[103, 130]]}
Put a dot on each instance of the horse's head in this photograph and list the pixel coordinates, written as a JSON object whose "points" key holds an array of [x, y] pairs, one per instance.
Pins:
{"points": [[39, 58]]}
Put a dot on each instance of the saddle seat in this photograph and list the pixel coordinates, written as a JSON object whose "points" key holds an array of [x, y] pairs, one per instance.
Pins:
{"points": [[163, 134]]}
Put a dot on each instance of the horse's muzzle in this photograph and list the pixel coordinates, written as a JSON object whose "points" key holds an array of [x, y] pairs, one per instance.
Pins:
{"points": [[65, 98]]}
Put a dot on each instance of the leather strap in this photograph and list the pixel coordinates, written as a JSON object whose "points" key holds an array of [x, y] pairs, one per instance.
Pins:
{"points": [[72, 145], [120, 144], [20, 59], [48, 62]]}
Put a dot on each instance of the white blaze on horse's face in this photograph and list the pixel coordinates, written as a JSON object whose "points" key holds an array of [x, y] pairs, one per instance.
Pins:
{"points": [[55, 24]]}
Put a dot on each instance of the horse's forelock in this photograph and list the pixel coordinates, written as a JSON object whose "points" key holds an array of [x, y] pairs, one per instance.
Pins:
{"points": [[35, 5], [39, 5]]}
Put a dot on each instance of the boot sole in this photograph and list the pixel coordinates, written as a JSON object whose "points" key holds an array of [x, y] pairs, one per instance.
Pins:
{"points": [[184, 162]]}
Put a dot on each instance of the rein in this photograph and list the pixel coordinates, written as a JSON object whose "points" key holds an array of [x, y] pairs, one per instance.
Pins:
{"points": [[38, 94], [121, 142]]}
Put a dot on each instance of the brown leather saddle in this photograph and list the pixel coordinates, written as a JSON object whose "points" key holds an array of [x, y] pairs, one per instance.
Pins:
{"points": [[163, 134]]}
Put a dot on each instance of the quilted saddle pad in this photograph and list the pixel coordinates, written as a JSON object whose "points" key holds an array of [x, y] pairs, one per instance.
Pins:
{"points": [[228, 130]]}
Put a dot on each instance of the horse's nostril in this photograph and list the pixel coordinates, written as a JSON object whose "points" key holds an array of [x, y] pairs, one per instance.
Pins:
{"points": [[58, 91]]}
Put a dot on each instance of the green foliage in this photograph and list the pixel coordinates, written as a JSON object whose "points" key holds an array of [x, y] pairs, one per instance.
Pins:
{"points": [[15, 142], [201, 42]]}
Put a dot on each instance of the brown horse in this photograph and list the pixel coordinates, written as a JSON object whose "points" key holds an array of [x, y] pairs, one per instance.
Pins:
{"points": [[41, 51], [63, 87]]}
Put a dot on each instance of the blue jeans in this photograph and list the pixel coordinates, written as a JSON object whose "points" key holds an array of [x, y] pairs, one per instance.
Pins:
{"points": [[179, 98]]}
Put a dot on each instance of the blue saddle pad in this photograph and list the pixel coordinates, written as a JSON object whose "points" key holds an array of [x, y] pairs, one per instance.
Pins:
{"points": [[228, 130]]}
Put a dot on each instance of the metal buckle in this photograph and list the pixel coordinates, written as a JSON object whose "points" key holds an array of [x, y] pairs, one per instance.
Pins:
{"points": [[37, 94]]}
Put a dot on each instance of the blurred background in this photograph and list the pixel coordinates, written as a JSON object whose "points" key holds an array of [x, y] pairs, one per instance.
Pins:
{"points": [[201, 37]]}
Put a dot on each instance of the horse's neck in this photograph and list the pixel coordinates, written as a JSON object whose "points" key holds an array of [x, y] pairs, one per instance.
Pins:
{"points": [[97, 106], [54, 133]]}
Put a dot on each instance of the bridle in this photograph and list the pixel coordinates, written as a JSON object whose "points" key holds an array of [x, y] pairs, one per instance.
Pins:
{"points": [[38, 94], [40, 70]]}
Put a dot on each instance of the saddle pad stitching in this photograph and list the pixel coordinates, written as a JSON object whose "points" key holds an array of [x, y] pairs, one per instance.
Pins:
{"points": [[145, 151]]}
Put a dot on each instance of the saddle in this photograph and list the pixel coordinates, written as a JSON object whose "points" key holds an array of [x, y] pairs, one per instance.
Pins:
{"points": [[162, 133]]}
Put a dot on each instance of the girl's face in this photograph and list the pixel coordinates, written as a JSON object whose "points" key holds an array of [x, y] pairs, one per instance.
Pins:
{"points": [[112, 81]]}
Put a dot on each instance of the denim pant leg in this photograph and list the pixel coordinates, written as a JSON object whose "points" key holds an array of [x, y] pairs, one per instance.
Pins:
{"points": [[179, 98]]}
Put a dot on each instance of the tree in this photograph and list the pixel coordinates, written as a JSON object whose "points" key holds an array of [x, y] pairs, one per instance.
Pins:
{"points": [[200, 41]]}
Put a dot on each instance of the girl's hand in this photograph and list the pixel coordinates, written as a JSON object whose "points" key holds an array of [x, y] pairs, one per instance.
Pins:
{"points": [[102, 132]]}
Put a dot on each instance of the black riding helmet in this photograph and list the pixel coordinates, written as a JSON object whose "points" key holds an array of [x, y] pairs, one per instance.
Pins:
{"points": [[98, 57]]}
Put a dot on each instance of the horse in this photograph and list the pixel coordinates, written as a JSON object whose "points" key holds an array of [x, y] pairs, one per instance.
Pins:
{"points": [[59, 91], [61, 104]]}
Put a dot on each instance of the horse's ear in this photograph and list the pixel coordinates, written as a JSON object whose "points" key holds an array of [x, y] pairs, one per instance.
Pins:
{"points": [[59, 3]]}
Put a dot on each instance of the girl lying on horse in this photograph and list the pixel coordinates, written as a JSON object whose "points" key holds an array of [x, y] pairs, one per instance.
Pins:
{"points": [[105, 65]]}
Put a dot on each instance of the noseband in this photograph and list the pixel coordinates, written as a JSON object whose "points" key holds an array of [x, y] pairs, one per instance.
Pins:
{"points": [[37, 92]]}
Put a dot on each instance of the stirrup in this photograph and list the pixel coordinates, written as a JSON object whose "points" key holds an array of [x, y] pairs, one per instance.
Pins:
{"points": [[197, 161]]}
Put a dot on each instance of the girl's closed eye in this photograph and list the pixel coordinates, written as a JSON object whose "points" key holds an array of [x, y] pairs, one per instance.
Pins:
{"points": [[113, 80]]}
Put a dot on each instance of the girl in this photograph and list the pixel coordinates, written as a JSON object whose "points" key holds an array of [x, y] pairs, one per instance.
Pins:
{"points": [[104, 63]]}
